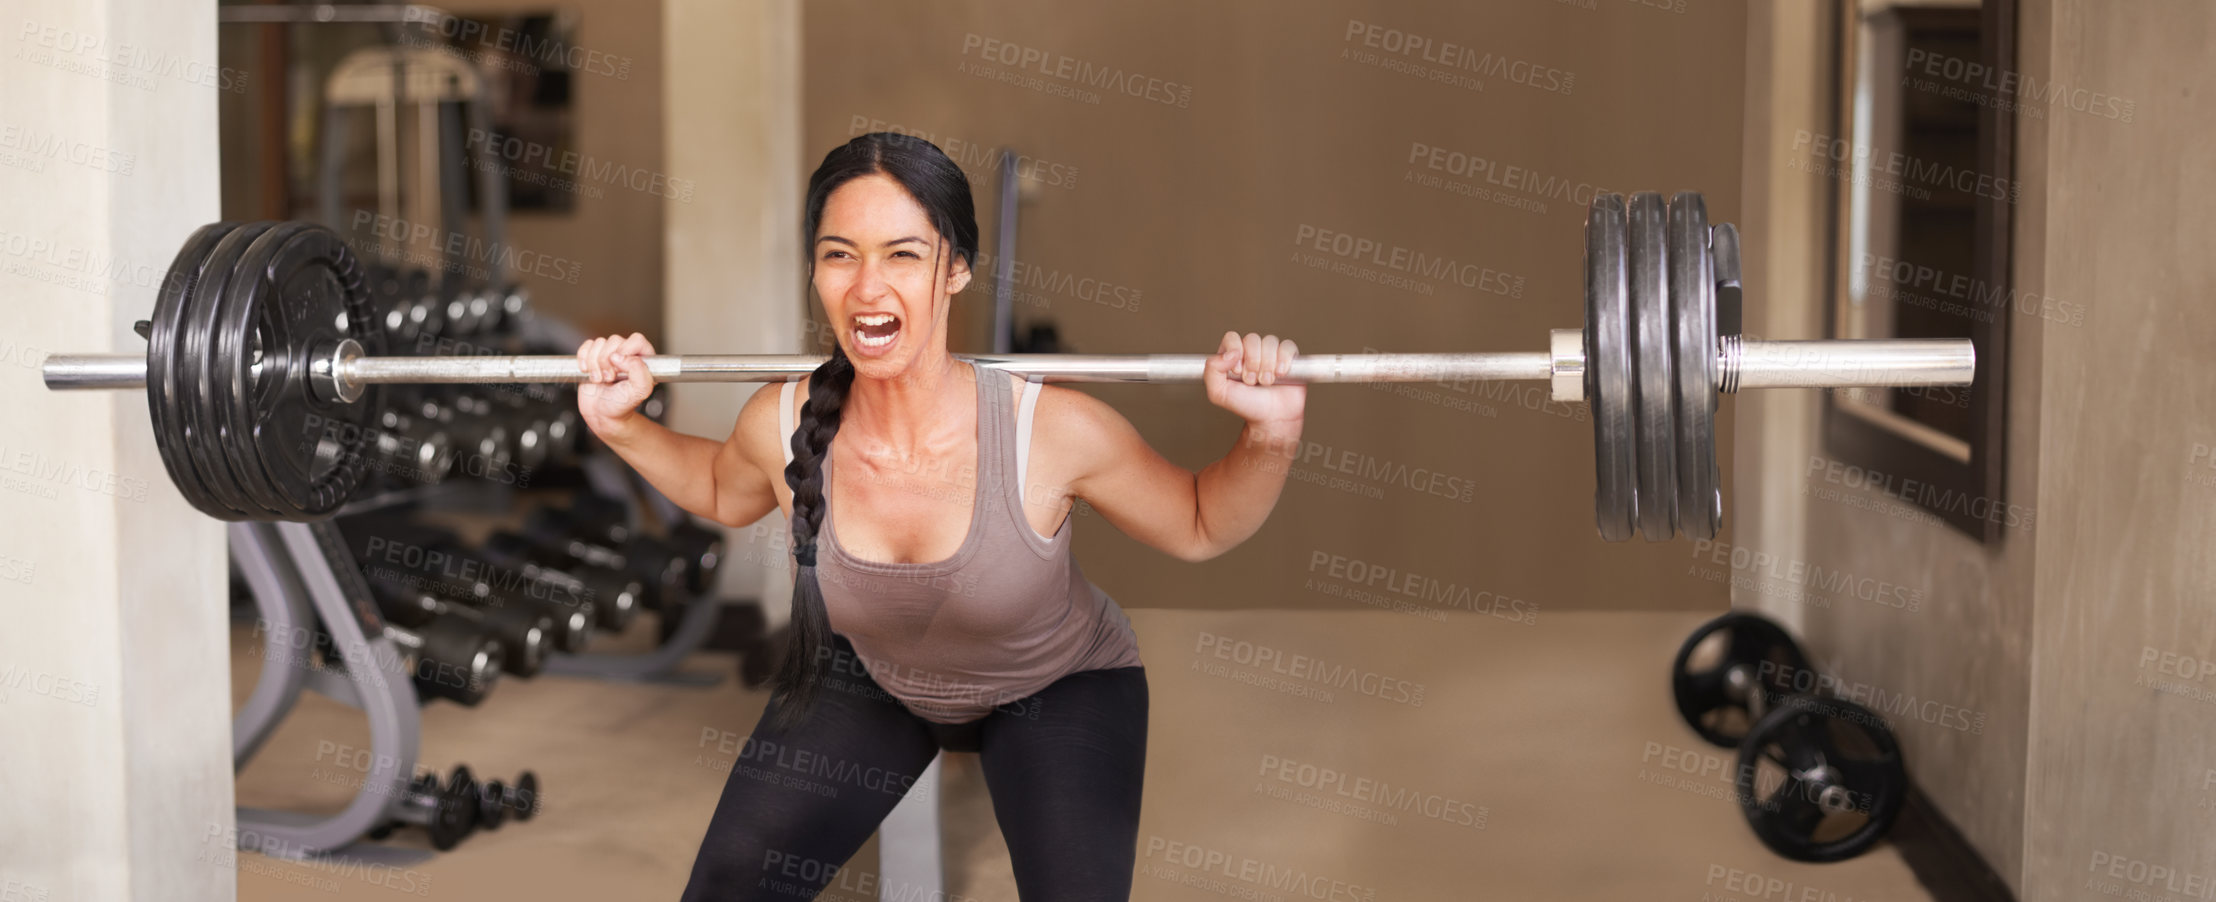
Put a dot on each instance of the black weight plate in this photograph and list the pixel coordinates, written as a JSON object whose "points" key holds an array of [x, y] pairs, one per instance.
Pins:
{"points": [[492, 804], [239, 340], [1693, 326], [455, 818], [203, 395], [1725, 247], [1731, 671], [1608, 388], [1653, 367], [524, 796], [1820, 779], [300, 291], [163, 376]]}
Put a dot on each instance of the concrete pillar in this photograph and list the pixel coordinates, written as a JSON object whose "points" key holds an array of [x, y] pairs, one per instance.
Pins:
{"points": [[733, 277], [115, 710]]}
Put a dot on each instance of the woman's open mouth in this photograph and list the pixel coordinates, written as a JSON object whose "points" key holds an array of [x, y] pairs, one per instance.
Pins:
{"points": [[875, 331]]}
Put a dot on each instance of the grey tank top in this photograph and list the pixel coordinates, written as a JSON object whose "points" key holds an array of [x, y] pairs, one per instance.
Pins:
{"points": [[1009, 613]]}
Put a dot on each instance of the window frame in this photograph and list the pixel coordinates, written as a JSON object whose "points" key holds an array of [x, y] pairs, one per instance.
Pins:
{"points": [[1857, 439]]}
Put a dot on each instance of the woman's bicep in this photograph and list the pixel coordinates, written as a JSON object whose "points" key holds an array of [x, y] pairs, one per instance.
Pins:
{"points": [[745, 490], [1133, 486]]}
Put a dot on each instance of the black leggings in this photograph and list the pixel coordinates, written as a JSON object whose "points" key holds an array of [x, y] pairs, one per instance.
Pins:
{"points": [[1064, 767]]}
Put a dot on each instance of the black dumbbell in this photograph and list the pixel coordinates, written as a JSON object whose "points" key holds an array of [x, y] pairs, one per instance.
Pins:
{"points": [[1731, 670], [593, 540], [496, 801], [667, 572], [573, 617], [477, 434], [448, 813], [420, 296], [530, 441], [453, 656], [702, 550], [414, 450], [1820, 779], [466, 308], [522, 799], [385, 286], [514, 301], [670, 563], [526, 635], [599, 517], [446, 657], [564, 433], [615, 594], [392, 548]]}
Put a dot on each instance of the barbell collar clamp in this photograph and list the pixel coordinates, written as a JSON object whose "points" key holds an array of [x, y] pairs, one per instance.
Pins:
{"points": [[1568, 364], [328, 371]]}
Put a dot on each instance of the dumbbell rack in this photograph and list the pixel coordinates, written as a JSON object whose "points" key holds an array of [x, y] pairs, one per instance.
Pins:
{"points": [[301, 574]]}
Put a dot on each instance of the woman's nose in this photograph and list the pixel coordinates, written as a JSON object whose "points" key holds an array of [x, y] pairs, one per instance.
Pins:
{"points": [[869, 281]]}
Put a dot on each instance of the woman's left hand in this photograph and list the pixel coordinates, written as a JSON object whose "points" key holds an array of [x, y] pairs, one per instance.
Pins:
{"points": [[1242, 378]]}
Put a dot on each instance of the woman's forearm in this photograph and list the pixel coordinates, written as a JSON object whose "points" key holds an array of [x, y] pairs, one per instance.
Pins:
{"points": [[682, 467], [1236, 494]]}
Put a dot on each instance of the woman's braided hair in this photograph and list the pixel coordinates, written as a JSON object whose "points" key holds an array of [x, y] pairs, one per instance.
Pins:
{"points": [[943, 191]]}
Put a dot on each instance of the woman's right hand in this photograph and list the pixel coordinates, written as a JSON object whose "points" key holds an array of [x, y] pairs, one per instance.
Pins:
{"points": [[608, 406]]}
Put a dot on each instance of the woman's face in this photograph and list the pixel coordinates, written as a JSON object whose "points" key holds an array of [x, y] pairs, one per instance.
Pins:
{"points": [[885, 275]]}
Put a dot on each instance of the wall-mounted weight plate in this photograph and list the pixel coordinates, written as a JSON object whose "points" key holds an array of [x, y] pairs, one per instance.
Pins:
{"points": [[1820, 779], [1693, 330], [295, 295], [205, 396], [164, 376], [1653, 371], [1608, 367], [1731, 671]]}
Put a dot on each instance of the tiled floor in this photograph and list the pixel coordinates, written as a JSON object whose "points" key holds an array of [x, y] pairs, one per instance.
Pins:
{"points": [[1343, 756]]}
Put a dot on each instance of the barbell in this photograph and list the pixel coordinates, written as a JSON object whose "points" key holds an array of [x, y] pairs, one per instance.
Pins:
{"points": [[262, 366]]}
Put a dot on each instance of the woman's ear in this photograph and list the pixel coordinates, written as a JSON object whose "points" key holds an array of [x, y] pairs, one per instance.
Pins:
{"points": [[959, 278]]}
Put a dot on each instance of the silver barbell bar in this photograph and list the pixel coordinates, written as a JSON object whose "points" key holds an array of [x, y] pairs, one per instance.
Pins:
{"points": [[342, 370]]}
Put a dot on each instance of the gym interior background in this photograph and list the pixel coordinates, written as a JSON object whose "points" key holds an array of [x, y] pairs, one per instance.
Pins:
{"points": [[2017, 577]]}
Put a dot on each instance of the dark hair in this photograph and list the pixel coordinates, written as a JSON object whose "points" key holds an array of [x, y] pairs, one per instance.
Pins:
{"points": [[943, 191]]}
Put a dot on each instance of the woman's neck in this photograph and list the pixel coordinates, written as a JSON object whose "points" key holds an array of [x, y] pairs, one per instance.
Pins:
{"points": [[908, 411]]}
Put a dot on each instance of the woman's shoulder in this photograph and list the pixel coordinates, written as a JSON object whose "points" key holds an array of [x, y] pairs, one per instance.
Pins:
{"points": [[761, 431], [1067, 418]]}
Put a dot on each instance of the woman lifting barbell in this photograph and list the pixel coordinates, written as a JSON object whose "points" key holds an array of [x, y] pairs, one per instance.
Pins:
{"points": [[946, 612]]}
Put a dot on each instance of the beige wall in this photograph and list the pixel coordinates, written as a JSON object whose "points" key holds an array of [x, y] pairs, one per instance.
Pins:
{"points": [[1193, 208], [2121, 767]]}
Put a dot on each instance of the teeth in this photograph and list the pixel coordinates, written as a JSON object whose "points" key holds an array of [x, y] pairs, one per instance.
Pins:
{"points": [[868, 341], [874, 319]]}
